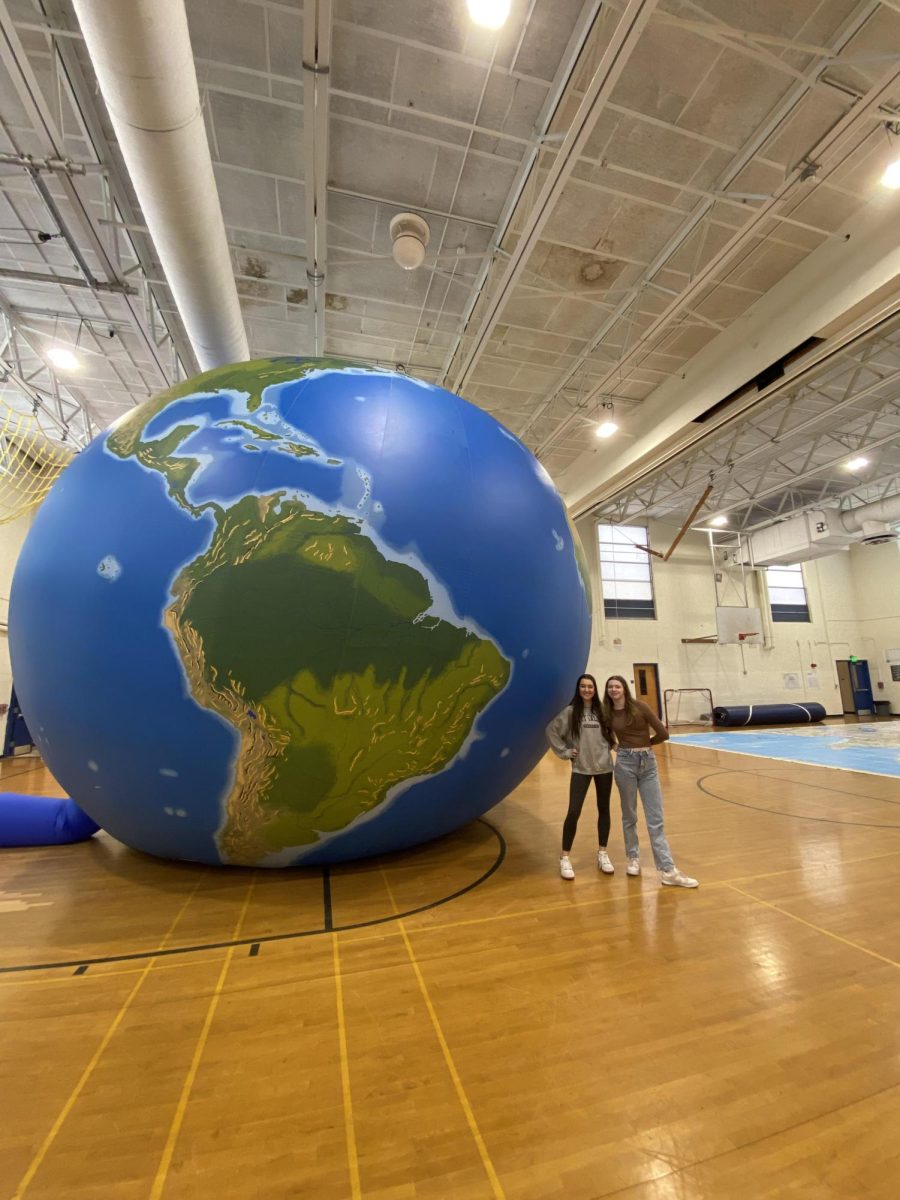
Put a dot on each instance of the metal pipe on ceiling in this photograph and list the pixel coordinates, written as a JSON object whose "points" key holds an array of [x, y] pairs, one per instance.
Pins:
{"points": [[141, 53], [317, 25]]}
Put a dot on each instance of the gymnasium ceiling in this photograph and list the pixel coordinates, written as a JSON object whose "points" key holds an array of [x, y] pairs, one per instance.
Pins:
{"points": [[613, 191]]}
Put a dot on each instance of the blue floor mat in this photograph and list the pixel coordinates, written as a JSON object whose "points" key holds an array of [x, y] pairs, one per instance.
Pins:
{"points": [[873, 749]]}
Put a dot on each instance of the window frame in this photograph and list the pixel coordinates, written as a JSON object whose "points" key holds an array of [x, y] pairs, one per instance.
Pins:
{"points": [[625, 608], [784, 612]]}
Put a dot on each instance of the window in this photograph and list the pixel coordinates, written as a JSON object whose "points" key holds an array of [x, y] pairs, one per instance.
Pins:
{"points": [[625, 573], [787, 593]]}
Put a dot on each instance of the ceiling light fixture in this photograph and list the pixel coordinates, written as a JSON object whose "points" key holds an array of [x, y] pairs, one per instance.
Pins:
{"points": [[491, 14], [719, 521], [606, 422], [409, 235], [63, 358], [857, 464]]}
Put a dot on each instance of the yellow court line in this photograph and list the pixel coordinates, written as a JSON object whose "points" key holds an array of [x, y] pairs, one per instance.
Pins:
{"points": [[496, 1187], [57, 1125], [349, 1127], [818, 928], [181, 1108]]}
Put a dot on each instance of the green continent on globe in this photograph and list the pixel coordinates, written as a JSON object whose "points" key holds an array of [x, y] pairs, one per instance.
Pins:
{"points": [[127, 438], [336, 699], [314, 647]]}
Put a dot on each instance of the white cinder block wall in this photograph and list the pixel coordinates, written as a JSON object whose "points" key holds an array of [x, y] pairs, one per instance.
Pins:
{"points": [[11, 538], [854, 602]]}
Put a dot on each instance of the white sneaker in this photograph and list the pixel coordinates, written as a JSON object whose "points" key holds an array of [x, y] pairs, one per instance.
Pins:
{"points": [[633, 867], [604, 864], [676, 878], [565, 867]]}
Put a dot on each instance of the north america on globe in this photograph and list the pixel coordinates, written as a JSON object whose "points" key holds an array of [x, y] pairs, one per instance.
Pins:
{"points": [[319, 648]]}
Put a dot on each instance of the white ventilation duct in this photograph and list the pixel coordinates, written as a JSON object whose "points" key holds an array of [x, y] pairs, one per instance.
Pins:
{"points": [[824, 531], [142, 56], [886, 512]]}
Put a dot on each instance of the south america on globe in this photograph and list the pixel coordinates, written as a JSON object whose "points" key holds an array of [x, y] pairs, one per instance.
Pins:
{"points": [[296, 611]]}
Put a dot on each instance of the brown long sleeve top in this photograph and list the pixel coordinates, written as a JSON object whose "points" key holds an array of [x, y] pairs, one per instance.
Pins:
{"points": [[645, 730]]}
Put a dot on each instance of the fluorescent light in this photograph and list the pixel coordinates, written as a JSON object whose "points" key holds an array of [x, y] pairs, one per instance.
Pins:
{"points": [[719, 521], [891, 177], [62, 357], [489, 13], [857, 464], [606, 429]]}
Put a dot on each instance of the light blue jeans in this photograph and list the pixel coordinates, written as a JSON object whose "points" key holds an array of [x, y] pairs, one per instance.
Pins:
{"points": [[636, 772]]}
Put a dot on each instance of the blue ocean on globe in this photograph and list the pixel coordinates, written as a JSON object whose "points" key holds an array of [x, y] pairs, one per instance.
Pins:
{"points": [[295, 612]]}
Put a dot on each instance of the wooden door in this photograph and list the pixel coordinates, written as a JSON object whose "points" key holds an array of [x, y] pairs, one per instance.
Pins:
{"points": [[646, 685], [848, 704]]}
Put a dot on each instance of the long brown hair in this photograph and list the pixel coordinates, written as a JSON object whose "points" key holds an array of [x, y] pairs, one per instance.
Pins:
{"points": [[577, 714], [632, 712]]}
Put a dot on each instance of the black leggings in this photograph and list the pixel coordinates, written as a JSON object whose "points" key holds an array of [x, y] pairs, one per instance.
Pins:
{"points": [[577, 791]]}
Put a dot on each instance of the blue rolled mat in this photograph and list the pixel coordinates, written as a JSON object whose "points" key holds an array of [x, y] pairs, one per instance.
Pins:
{"points": [[768, 714], [42, 821]]}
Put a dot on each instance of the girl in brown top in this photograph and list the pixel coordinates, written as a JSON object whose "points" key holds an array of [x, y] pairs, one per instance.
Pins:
{"points": [[637, 728]]}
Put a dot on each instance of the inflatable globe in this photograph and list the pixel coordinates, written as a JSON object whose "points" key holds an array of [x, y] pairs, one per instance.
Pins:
{"points": [[296, 611]]}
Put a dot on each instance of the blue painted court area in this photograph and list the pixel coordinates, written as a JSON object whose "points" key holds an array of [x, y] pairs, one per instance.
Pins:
{"points": [[874, 749]]}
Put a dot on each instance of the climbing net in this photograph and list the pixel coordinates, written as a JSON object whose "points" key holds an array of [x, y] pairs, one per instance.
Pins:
{"points": [[29, 463]]}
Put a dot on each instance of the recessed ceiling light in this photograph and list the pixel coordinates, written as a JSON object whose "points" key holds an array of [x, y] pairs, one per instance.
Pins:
{"points": [[62, 357], [719, 521], [489, 13], [606, 429], [857, 464], [891, 177]]}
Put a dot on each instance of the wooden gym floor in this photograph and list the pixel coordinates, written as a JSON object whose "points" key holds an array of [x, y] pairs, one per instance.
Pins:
{"points": [[457, 1023]]}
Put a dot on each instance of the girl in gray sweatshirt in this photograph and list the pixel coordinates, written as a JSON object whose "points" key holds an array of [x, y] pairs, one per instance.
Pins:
{"points": [[581, 734]]}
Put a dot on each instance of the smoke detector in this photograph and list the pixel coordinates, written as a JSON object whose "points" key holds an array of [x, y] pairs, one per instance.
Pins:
{"points": [[409, 234]]}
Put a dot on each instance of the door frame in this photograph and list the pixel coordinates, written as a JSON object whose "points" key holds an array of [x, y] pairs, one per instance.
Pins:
{"points": [[655, 668]]}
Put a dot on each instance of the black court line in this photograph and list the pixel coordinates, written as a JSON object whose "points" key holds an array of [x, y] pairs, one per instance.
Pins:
{"points": [[777, 812], [819, 787], [171, 952], [254, 950], [81, 970], [799, 762]]}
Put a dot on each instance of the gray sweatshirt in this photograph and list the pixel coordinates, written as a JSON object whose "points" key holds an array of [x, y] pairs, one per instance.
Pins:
{"points": [[594, 757]]}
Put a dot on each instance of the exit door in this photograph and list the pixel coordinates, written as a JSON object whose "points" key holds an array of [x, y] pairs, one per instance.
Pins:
{"points": [[856, 687], [646, 685]]}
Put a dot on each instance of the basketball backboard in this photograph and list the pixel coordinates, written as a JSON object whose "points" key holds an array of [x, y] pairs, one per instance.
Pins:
{"points": [[742, 626]]}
